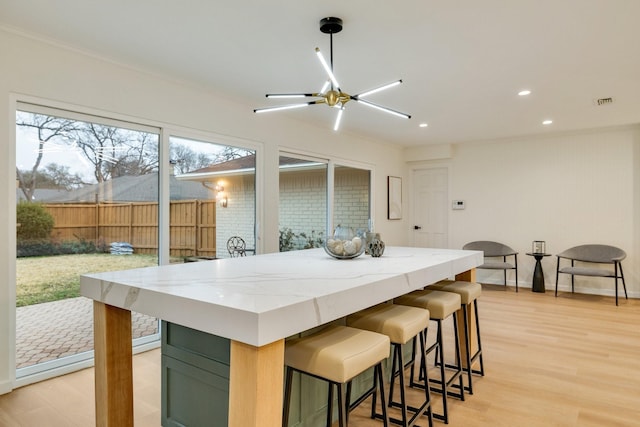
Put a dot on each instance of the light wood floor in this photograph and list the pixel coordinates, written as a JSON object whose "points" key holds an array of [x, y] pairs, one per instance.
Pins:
{"points": [[567, 361]]}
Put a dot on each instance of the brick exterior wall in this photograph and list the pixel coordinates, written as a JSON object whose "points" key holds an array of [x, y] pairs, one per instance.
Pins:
{"points": [[302, 207]]}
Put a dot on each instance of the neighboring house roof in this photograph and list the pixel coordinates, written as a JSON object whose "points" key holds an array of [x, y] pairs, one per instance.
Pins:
{"points": [[40, 194], [244, 165], [241, 163], [142, 188]]}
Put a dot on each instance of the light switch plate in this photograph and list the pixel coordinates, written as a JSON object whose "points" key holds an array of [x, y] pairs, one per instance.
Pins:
{"points": [[457, 204]]}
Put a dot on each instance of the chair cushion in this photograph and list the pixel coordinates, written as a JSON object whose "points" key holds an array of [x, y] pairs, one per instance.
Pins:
{"points": [[468, 291], [399, 322], [337, 353], [439, 303], [584, 271], [497, 266]]}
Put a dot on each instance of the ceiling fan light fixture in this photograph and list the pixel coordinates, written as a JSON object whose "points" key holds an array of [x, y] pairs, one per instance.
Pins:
{"points": [[327, 69], [325, 86], [288, 95], [380, 89], [381, 108], [280, 108], [331, 94], [336, 126]]}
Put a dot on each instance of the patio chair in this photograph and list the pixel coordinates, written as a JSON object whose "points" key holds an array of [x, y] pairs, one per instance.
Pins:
{"points": [[236, 246]]}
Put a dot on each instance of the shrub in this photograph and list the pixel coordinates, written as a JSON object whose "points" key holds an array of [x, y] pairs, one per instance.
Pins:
{"points": [[290, 241], [35, 222], [45, 247]]}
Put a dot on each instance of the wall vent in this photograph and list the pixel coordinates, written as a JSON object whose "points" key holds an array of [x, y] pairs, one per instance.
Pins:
{"points": [[603, 101]]}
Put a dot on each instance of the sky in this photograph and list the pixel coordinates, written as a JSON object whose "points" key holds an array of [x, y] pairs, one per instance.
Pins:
{"points": [[66, 155]]}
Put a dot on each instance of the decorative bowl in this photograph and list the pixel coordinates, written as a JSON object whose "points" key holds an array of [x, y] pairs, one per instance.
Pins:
{"points": [[345, 244]]}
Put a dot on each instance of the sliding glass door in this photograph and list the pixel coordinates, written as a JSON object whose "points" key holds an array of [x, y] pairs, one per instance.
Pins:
{"points": [[87, 201], [213, 200]]}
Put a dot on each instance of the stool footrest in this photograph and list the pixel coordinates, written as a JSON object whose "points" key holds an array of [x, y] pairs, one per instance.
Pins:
{"points": [[450, 384], [417, 413]]}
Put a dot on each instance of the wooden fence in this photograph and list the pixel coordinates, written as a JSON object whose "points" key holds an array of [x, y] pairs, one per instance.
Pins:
{"points": [[192, 230]]}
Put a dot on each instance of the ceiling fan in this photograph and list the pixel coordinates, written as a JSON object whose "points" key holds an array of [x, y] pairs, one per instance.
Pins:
{"points": [[331, 94]]}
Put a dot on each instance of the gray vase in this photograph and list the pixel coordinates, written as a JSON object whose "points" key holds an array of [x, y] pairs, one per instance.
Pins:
{"points": [[376, 247]]}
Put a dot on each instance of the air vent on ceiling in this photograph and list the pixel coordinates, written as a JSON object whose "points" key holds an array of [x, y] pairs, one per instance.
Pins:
{"points": [[603, 101]]}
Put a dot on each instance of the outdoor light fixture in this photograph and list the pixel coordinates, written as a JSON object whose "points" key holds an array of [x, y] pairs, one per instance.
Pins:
{"points": [[220, 196]]}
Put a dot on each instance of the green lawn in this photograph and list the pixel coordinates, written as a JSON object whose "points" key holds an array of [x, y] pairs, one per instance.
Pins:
{"points": [[44, 279]]}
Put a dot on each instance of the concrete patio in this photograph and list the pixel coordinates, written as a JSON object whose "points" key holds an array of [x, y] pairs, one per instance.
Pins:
{"points": [[57, 329]]}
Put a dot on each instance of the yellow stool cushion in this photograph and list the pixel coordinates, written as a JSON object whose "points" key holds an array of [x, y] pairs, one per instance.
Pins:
{"points": [[439, 303], [399, 322], [337, 353], [468, 291]]}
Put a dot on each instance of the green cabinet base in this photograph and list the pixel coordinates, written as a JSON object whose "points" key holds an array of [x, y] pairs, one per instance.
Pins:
{"points": [[195, 378]]}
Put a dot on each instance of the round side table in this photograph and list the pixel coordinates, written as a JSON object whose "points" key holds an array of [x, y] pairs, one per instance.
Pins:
{"points": [[537, 285]]}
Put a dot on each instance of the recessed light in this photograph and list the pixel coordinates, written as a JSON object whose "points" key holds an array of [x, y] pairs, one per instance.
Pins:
{"points": [[524, 92], [423, 125], [547, 122]]}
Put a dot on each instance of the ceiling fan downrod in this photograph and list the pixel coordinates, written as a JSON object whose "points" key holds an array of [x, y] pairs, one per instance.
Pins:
{"points": [[331, 25]]}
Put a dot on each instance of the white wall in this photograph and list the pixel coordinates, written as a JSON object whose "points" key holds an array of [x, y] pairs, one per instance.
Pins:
{"points": [[32, 69], [567, 189]]}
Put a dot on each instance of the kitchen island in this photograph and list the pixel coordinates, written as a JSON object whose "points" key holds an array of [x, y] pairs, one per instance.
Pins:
{"points": [[255, 302]]}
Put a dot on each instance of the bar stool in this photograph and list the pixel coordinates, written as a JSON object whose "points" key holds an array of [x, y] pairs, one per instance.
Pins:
{"points": [[401, 324], [441, 305], [336, 354], [469, 293]]}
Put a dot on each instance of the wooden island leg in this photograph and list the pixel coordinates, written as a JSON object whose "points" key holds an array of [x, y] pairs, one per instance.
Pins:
{"points": [[113, 366], [467, 276], [256, 385]]}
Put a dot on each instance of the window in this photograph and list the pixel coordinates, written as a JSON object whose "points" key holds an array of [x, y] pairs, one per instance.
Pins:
{"points": [[303, 202], [304, 196]]}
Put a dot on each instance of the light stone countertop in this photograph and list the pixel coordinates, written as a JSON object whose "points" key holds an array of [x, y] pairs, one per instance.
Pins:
{"points": [[261, 299]]}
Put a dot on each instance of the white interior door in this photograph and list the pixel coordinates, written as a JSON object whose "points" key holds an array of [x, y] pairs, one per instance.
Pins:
{"points": [[430, 207]]}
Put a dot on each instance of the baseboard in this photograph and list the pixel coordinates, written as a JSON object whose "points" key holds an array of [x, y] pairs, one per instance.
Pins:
{"points": [[5, 387], [608, 292], [551, 287]]}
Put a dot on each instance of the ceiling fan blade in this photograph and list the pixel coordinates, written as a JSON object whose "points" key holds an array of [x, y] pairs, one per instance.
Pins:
{"points": [[283, 107], [291, 95], [381, 108], [379, 89], [338, 118], [328, 69]]}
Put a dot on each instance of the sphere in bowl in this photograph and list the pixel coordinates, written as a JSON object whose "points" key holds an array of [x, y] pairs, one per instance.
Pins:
{"points": [[345, 244]]}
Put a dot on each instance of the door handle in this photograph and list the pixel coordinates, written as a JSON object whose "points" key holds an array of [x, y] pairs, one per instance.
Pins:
{"points": [[417, 227]]}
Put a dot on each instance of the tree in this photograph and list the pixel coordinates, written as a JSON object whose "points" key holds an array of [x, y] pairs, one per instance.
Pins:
{"points": [[115, 152], [61, 177], [186, 160], [230, 153], [47, 128], [54, 176]]}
